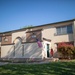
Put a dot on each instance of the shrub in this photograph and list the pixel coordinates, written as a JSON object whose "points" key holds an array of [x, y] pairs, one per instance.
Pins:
{"points": [[67, 50]]}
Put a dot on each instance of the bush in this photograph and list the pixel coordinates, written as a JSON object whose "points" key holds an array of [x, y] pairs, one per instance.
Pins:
{"points": [[67, 50]]}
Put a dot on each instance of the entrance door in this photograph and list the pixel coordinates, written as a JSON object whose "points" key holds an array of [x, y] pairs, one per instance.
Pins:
{"points": [[48, 50]]}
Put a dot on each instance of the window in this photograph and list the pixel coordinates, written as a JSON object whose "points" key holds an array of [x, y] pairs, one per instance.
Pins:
{"points": [[58, 30], [33, 35], [64, 30], [69, 29]]}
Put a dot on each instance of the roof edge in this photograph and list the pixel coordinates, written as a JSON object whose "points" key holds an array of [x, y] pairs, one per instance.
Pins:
{"points": [[37, 26]]}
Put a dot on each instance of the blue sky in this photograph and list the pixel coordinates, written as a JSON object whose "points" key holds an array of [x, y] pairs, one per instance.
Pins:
{"points": [[15, 14]]}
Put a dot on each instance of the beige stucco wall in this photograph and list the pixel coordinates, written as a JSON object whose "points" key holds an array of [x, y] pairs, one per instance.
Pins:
{"points": [[7, 51], [31, 50], [21, 34], [18, 48], [49, 32]]}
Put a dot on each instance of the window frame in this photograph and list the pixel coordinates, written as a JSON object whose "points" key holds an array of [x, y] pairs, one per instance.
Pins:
{"points": [[61, 32]]}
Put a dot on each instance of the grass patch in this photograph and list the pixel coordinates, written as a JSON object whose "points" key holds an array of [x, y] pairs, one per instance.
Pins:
{"points": [[53, 68]]}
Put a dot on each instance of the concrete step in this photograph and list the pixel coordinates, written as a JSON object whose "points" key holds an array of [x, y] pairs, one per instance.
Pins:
{"points": [[51, 59]]}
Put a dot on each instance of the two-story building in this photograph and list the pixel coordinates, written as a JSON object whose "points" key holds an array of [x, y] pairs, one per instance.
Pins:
{"points": [[23, 43]]}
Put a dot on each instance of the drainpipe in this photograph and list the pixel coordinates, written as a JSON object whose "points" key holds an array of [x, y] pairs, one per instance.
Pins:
{"points": [[74, 32]]}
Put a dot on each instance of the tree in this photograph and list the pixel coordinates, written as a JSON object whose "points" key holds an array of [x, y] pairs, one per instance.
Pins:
{"points": [[28, 26]]}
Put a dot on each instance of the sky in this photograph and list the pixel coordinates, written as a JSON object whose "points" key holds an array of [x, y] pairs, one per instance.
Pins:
{"points": [[15, 14]]}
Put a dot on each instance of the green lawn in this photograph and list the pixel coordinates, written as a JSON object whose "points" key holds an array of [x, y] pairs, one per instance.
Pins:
{"points": [[53, 68]]}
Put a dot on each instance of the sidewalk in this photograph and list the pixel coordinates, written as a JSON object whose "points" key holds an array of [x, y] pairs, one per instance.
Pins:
{"points": [[3, 63], [48, 60]]}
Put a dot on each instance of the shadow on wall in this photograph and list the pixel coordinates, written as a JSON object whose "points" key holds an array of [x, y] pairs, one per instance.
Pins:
{"points": [[27, 50], [56, 55], [32, 51]]}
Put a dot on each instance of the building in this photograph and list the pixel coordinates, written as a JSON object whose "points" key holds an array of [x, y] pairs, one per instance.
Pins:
{"points": [[22, 44]]}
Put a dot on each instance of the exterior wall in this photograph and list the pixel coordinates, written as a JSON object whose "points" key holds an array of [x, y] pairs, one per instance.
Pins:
{"points": [[21, 34], [18, 48], [49, 32], [30, 34], [7, 51], [9, 38], [30, 50], [74, 32], [24, 49]]}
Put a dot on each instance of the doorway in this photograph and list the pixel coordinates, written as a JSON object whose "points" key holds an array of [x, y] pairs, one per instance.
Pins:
{"points": [[48, 53]]}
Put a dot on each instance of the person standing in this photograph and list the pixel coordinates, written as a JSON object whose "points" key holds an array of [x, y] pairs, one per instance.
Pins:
{"points": [[51, 52]]}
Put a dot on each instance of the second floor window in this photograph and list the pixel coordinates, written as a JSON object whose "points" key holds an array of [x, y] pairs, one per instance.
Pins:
{"points": [[64, 30], [33, 35]]}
